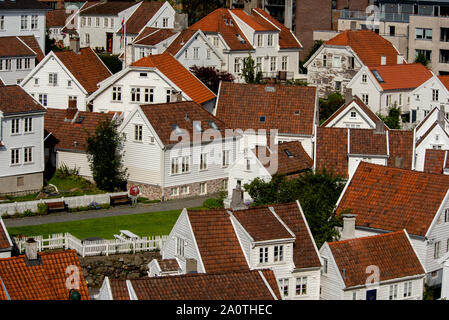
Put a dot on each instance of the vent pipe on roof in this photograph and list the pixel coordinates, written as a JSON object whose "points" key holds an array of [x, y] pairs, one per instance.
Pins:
{"points": [[348, 231]]}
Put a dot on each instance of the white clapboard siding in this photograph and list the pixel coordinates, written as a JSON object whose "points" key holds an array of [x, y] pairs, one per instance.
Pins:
{"points": [[74, 159], [331, 285]]}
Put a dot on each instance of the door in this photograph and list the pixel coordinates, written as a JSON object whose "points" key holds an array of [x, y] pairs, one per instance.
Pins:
{"points": [[371, 294], [413, 116], [109, 42]]}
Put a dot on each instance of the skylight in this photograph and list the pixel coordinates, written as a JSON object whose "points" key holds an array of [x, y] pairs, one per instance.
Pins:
{"points": [[288, 153], [377, 75], [262, 119]]}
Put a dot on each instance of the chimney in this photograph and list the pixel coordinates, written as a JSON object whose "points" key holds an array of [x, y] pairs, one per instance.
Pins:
{"points": [[237, 199], [191, 266], [380, 127], [383, 60], [399, 162], [348, 95], [75, 44], [441, 115], [348, 231], [71, 110], [31, 248], [176, 96], [400, 59], [181, 22], [249, 5]]}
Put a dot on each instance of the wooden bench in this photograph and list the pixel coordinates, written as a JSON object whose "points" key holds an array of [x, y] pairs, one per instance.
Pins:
{"points": [[122, 199], [55, 206]]}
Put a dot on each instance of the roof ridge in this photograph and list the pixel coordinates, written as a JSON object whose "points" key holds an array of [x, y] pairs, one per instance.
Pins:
{"points": [[367, 237]]}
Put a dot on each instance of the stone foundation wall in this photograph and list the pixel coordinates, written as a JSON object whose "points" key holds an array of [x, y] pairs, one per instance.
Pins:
{"points": [[21, 184]]}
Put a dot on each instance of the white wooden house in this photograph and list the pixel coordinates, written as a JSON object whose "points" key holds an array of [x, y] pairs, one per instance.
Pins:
{"points": [[237, 33], [380, 267], [152, 79], [338, 60], [21, 141], [166, 169], [391, 199], [66, 75], [275, 237], [269, 114], [5, 241], [385, 86]]}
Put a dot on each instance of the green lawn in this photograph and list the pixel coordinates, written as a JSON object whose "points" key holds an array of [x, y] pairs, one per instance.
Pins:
{"points": [[145, 224]]}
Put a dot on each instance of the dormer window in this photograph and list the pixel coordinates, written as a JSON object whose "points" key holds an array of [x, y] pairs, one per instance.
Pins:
{"points": [[270, 40], [278, 253], [364, 78], [353, 114], [180, 247], [263, 255]]}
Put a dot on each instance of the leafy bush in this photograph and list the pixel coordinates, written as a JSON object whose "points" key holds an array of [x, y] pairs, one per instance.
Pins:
{"points": [[64, 172], [28, 213], [42, 209], [213, 203]]}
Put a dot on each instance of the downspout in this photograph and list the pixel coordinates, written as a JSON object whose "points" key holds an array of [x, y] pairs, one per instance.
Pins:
{"points": [[163, 173]]}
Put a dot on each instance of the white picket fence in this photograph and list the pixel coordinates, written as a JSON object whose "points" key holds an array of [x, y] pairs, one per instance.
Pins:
{"points": [[96, 247]]}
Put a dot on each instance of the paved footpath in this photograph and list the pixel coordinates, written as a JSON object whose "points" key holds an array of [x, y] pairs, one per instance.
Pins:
{"points": [[102, 213]]}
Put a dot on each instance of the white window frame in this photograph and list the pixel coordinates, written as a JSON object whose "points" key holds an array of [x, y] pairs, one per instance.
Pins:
{"points": [[260, 40], [28, 125], [34, 22], [175, 167], [203, 188], [278, 253], [336, 61], [284, 286], [270, 40], [2, 23], [273, 64], [435, 94], [408, 287], [301, 284], [53, 79], [138, 133], [43, 99], [364, 78], [164, 22], [393, 292], [28, 155], [117, 93], [263, 255], [284, 63], [225, 158], [203, 161], [23, 22], [180, 247], [436, 249], [15, 157], [15, 126]]}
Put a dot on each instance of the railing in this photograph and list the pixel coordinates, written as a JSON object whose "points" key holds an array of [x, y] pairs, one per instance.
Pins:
{"points": [[276, 74], [382, 16], [96, 247]]}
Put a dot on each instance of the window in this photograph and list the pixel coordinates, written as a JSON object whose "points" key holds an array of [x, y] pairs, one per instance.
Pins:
{"points": [[164, 22], [392, 31], [15, 159], [186, 54], [87, 38], [225, 158], [434, 94], [259, 63], [195, 53], [351, 62], [365, 98], [2, 22], [400, 99], [393, 292], [27, 63], [208, 54], [259, 40], [278, 253], [185, 190], [425, 53], [28, 125], [149, 95], [407, 289], [324, 60], [301, 286], [138, 132], [142, 52], [27, 155], [325, 265], [215, 42], [180, 247], [203, 188], [444, 34], [423, 33], [15, 128], [105, 22], [270, 40], [168, 96], [248, 164], [116, 93], [436, 250], [174, 192], [388, 99], [185, 167], [23, 22], [112, 22], [97, 21], [203, 161], [263, 255], [174, 165], [224, 186], [5, 66], [135, 94], [283, 283], [364, 78], [338, 86], [284, 63], [336, 62], [83, 21], [353, 114], [43, 99], [446, 215], [53, 79], [33, 22], [236, 65], [19, 64], [89, 21], [272, 63], [354, 295]]}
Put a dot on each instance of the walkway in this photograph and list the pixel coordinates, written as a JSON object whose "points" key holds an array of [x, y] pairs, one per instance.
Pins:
{"points": [[102, 213]]}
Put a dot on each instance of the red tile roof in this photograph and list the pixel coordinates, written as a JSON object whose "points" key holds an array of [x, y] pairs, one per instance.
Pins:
{"points": [[445, 81], [66, 133], [332, 150], [400, 143], [142, 15], [86, 67], [262, 224], [434, 160], [256, 22], [13, 47], [56, 18], [289, 109], [1, 83], [217, 242], [13, 99], [106, 8], [286, 38], [370, 114], [167, 265], [34, 45], [397, 77], [368, 45], [391, 252], [164, 115], [247, 285], [4, 238], [394, 199], [180, 41], [45, 281], [214, 22], [153, 36], [177, 73], [367, 142]]}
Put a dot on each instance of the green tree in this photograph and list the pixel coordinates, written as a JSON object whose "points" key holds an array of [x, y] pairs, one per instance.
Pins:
{"points": [[198, 9], [421, 58], [330, 105], [393, 119], [317, 44], [105, 152], [317, 192], [250, 72], [211, 77]]}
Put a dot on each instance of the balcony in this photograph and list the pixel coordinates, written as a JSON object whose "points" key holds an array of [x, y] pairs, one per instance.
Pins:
{"points": [[279, 75]]}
